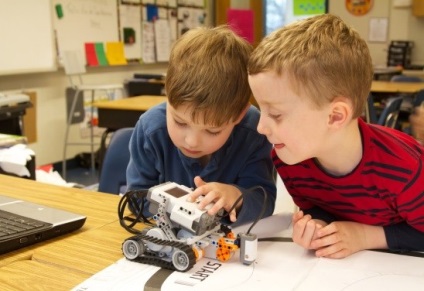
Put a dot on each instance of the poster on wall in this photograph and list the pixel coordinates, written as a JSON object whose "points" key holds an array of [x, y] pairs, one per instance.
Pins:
{"points": [[190, 18], [308, 7], [131, 30], [241, 21], [378, 29]]}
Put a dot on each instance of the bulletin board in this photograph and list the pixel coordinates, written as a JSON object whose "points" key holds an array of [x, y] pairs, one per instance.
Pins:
{"points": [[26, 34], [34, 32], [77, 22], [145, 28], [148, 28]]}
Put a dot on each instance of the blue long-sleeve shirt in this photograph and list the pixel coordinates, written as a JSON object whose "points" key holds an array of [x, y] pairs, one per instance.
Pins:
{"points": [[243, 161]]}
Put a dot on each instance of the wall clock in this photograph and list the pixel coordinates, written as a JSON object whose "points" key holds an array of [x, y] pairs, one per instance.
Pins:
{"points": [[358, 7]]}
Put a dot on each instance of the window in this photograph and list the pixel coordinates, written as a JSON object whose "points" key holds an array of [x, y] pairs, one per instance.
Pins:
{"points": [[279, 13]]}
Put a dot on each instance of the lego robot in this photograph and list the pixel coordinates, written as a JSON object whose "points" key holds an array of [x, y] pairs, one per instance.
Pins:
{"points": [[183, 233]]}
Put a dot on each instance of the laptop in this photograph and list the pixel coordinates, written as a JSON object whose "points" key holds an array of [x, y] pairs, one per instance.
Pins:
{"points": [[23, 223]]}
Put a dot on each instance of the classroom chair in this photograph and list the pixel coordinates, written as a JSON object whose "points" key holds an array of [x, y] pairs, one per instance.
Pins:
{"points": [[389, 115], [74, 66], [370, 112], [419, 99], [113, 172]]}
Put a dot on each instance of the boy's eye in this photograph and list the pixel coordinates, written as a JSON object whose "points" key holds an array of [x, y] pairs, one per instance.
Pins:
{"points": [[274, 116], [214, 133], [181, 124]]}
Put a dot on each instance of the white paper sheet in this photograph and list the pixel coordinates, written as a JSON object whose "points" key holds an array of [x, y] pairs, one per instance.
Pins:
{"points": [[279, 266]]}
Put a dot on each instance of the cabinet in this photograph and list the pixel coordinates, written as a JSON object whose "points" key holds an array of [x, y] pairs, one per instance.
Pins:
{"points": [[399, 53], [418, 8]]}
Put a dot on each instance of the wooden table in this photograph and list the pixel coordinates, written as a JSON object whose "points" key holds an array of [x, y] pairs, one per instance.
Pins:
{"points": [[396, 87], [124, 112], [63, 262]]}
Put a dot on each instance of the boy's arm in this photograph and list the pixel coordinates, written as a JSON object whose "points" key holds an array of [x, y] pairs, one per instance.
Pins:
{"points": [[259, 171], [340, 239], [409, 234], [253, 202], [399, 237], [403, 237], [141, 172]]}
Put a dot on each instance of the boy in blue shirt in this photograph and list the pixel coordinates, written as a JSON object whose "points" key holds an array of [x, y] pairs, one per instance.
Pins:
{"points": [[205, 135]]}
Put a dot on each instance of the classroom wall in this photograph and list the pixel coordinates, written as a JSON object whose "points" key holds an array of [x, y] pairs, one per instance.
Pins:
{"points": [[415, 28], [50, 86], [51, 103], [51, 106], [402, 26]]}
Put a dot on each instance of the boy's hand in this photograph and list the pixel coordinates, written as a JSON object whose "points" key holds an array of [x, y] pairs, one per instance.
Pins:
{"points": [[304, 229], [222, 195], [342, 238]]}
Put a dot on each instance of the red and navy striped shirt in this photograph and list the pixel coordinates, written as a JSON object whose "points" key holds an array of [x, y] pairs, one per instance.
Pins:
{"points": [[386, 188]]}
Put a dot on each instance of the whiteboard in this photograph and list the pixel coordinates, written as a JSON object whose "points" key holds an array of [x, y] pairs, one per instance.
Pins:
{"points": [[81, 21], [26, 37]]}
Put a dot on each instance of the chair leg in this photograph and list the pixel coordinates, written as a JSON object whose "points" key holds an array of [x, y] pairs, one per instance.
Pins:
{"points": [[91, 131], [68, 125]]}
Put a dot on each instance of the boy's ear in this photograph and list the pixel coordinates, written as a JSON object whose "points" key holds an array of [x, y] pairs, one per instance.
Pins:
{"points": [[243, 113], [340, 112]]}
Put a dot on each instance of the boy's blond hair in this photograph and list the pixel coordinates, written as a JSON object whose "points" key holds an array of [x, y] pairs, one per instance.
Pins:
{"points": [[208, 71], [322, 56]]}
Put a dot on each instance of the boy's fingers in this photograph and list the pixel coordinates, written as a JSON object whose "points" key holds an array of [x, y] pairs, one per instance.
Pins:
{"points": [[196, 193], [296, 216], [199, 181], [233, 216]]}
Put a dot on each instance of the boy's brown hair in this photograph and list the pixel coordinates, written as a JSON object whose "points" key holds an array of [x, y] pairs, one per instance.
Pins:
{"points": [[208, 71], [322, 56]]}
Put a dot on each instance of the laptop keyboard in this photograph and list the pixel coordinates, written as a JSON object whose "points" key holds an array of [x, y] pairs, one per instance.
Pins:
{"points": [[12, 224]]}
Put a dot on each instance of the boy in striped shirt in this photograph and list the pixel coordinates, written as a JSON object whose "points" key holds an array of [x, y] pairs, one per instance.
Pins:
{"points": [[358, 186]]}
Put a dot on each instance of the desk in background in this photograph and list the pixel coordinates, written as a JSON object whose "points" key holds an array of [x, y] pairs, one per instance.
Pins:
{"points": [[143, 86], [382, 90], [417, 73], [125, 112], [396, 87], [386, 73]]}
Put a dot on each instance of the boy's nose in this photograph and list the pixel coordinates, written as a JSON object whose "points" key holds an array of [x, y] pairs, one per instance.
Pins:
{"points": [[192, 140], [262, 128]]}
